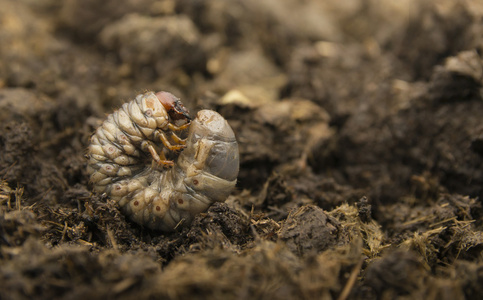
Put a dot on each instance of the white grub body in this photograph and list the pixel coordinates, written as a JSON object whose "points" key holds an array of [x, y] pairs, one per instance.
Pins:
{"points": [[160, 198]]}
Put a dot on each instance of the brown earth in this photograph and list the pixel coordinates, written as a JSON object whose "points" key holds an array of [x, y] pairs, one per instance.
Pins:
{"points": [[360, 133]]}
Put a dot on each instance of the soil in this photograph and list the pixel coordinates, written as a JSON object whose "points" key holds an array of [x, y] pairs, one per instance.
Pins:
{"points": [[360, 136]]}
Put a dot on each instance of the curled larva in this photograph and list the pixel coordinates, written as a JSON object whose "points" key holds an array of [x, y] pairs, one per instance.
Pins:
{"points": [[128, 160]]}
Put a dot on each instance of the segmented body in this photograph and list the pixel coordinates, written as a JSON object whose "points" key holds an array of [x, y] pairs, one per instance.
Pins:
{"points": [[122, 163]]}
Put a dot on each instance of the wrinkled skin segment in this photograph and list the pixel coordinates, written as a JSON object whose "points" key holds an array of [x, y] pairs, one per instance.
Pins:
{"points": [[127, 161], [206, 170]]}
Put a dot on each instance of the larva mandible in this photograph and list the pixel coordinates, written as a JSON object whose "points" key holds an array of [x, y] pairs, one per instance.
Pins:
{"points": [[128, 160]]}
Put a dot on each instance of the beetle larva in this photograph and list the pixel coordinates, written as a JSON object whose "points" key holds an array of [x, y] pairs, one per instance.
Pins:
{"points": [[128, 155]]}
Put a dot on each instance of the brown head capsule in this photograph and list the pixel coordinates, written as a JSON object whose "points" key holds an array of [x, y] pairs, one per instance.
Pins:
{"points": [[173, 106], [128, 160]]}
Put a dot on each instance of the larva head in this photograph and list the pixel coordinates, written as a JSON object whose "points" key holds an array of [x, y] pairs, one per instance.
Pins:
{"points": [[173, 106]]}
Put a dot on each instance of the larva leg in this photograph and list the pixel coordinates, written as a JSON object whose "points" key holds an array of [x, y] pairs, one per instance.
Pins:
{"points": [[177, 139], [159, 158], [178, 128], [164, 139]]}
